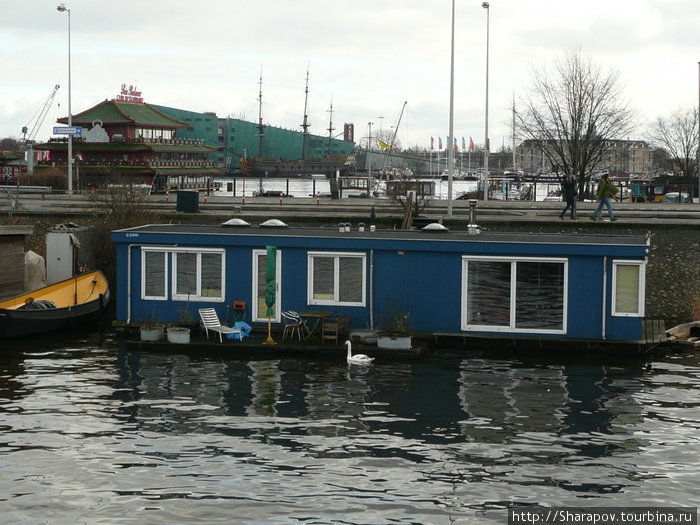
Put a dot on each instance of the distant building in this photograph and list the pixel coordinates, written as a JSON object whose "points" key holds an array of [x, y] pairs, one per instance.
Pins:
{"points": [[621, 156], [10, 167], [131, 142]]}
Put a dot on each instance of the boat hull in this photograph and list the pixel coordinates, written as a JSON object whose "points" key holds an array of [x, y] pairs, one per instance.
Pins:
{"points": [[92, 296], [327, 166]]}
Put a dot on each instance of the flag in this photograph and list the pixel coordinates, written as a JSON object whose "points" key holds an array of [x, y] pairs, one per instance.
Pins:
{"points": [[464, 146], [455, 143], [432, 143], [383, 145], [439, 142], [471, 144]]}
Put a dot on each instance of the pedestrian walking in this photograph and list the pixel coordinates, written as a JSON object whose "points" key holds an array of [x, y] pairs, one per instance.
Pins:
{"points": [[569, 192], [606, 192]]}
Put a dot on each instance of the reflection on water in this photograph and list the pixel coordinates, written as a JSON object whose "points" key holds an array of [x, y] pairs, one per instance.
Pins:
{"points": [[94, 432]]}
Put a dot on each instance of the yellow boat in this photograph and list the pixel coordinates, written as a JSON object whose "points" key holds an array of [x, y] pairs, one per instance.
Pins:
{"points": [[55, 307]]}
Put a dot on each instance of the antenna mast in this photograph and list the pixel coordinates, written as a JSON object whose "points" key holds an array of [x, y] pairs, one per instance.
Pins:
{"points": [[305, 125], [330, 128], [261, 128]]}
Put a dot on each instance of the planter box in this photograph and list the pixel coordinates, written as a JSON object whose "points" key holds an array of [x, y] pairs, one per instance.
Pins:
{"points": [[363, 335], [152, 334], [179, 335], [394, 342]]}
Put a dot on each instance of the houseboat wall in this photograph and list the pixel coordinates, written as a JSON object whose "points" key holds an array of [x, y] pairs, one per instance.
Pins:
{"points": [[424, 275]]}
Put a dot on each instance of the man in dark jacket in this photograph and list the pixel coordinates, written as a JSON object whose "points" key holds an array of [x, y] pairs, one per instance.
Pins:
{"points": [[568, 191]]}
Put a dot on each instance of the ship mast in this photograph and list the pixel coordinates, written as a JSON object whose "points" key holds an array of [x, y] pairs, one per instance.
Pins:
{"points": [[305, 125], [261, 129], [330, 128]]}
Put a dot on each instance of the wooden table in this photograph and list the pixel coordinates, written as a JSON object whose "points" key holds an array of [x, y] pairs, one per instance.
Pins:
{"points": [[316, 316]]}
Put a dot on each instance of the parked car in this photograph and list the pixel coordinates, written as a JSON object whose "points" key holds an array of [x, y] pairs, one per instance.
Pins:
{"points": [[674, 196]]}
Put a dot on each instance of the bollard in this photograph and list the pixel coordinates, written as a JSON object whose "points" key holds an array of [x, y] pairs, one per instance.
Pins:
{"points": [[318, 198], [281, 198], [167, 194]]}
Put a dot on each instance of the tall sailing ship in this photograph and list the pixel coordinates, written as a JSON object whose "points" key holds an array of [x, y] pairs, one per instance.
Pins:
{"points": [[338, 159]]}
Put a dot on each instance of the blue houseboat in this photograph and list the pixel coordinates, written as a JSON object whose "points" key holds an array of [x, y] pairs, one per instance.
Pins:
{"points": [[540, 287]]}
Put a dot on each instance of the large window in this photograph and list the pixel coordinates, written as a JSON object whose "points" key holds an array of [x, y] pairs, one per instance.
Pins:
{"points": [[336, 279], [628, 288], [523, 295], [196, 274]]}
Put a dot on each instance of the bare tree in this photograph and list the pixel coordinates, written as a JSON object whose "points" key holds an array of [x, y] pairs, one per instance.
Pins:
{"points": [[572, 114], [678, 135]]}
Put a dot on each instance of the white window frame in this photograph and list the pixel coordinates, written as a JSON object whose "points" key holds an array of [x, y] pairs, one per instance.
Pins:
{"points": [[466, 326], [198, 295], [641, 290], [164, 297], [336, 287], [254, 291]]}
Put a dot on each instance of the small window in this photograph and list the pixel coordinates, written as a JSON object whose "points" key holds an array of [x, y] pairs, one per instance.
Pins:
{"points": [[155, 271], [628, 289], [337, 279]]}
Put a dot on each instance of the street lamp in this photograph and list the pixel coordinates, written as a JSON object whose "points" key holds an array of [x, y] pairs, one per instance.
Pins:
{"points": [[485, 5], [450, 140], [63, 9]]}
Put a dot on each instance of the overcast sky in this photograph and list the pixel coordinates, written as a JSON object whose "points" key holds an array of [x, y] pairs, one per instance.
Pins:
{"points": [[366, 56]]}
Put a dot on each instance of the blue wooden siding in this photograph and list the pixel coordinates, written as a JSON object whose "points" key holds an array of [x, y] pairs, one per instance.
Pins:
{"points": [[420, 275]]}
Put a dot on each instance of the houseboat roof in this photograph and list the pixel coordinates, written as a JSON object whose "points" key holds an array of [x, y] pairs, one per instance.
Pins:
{"points": [[281, 232]]}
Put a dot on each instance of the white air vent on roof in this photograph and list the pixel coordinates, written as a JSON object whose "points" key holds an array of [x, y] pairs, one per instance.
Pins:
{"points": [[435, 227], [235, 222], [273, 223]]}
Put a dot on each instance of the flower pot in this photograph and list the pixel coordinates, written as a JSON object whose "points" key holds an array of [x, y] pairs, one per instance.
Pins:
{"points": [[363, 335], [394, 342], [152, 333], [178, 335]]}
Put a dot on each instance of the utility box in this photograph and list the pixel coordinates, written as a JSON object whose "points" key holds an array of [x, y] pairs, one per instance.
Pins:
{"points": [[188, 201], [68, 251]]}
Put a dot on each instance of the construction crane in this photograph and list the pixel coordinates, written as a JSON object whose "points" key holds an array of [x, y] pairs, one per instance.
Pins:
{"points": [[38, 119]]}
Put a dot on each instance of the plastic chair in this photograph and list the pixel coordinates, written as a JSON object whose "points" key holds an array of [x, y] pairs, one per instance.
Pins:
{"points": [[291, 323], [210, 320]]}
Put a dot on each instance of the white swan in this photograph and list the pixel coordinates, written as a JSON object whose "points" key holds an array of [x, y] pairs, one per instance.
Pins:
{"points": [[358, 359]]}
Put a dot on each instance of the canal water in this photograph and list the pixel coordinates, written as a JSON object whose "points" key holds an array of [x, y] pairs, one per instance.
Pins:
{"points": [[93, 432]]}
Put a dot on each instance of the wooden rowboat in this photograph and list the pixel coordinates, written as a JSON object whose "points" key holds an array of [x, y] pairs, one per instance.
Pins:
{"points": [[55, 307]]}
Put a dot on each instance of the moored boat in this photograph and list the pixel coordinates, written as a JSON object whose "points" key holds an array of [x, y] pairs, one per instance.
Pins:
{"points": [[685, 334], [55, 307]]}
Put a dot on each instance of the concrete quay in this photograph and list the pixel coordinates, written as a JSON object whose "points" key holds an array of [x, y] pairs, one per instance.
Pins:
{"points": [[388, 213]]}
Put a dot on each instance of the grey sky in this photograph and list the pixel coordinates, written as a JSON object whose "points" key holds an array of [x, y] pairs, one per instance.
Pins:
{"points": [[368, 57]]}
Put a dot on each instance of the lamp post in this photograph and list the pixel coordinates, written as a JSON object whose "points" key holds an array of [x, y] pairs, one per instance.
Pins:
{"points": [[369, 160], [451, 152], [485, 5], [63, 9]]}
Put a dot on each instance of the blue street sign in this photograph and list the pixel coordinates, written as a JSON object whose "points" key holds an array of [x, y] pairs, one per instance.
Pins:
{"points": [[68, 130]]}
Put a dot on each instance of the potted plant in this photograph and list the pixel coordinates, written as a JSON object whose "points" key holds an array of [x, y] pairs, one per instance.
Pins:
{"points": [[151, 330], [396, 333], [178, 335], [186, 320]]}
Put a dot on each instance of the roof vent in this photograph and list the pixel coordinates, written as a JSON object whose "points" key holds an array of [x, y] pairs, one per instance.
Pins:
{"points": [[435, 227], [273, 223], [235, 222]]}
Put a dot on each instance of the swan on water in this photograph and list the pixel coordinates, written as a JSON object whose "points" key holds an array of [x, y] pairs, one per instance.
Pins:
{"points": [[360, 359]]}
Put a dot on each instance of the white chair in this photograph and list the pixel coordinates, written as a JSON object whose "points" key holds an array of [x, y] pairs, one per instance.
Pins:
{"points": [[292, 323], [210, 320]]}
